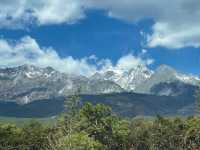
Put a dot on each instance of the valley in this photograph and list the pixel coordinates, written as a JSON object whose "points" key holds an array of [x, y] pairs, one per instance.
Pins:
{"points": [[123, 104]]}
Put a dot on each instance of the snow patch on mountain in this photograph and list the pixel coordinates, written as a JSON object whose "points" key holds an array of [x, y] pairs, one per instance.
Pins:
{"points": [[128, 79], [25, 84]]}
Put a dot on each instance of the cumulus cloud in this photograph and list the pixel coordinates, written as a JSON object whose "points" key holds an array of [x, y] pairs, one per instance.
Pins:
{"points": [[19, 13], [172, 36], [125, 63], [58, 11], [28, 51], [176, 21]]}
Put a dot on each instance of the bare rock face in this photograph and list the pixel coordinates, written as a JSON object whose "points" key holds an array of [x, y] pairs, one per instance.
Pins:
{"points": [[128, 80], [167, 81], [27, 83], [163, 81]]}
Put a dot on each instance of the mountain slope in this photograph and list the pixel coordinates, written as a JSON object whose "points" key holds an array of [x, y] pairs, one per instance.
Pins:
{"points": [[167, 81], [124, 104], [163, 81], [25, 84], [128, 80]]}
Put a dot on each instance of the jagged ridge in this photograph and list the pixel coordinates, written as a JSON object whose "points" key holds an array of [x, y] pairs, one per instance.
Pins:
{"points": [[27, 83]]}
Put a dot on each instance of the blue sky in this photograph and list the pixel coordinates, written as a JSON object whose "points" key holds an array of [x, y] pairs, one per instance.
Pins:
{"points": [[107, 37]]}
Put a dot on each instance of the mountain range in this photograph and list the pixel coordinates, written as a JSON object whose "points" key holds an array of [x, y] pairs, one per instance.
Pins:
{"points": [[28, 83]]}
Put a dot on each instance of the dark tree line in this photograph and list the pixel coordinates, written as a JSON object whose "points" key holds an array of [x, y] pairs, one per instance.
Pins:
{"points": [[198, 101], [95, 127]]}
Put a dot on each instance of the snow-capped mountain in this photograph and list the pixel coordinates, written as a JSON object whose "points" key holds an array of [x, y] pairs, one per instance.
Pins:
{"points": [[128, 80], [167, 81], [163, 81], [27, 83]]}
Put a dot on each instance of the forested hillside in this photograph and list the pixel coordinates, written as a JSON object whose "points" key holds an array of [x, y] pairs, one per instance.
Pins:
{"points": [[123, 104], [95, 127]]}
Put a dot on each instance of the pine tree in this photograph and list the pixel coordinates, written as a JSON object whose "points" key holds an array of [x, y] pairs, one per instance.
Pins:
{"points": [[72, 105]]}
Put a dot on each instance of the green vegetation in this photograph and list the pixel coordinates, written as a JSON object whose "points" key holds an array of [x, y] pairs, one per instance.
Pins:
{"points": [[95, 127], [20, 122]]}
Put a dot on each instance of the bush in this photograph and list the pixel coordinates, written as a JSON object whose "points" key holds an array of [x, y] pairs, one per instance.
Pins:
{"points": [[95, 127], [79, 141]]}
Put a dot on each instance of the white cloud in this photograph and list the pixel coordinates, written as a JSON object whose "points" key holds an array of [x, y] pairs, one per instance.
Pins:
{"points": [[129, 61], [19, 13], [144, 51], [176, 21], [125, 63], [58, 11], [28, 51], [93, 57], [168, 35]]}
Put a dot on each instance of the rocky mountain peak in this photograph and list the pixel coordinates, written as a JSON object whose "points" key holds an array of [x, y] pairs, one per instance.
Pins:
{"points": [[28, 83], [165, 69], [27, 67], [127, 79]]}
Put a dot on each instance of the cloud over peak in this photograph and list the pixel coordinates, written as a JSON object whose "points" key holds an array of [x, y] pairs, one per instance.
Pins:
{"points": [[28, 51]]}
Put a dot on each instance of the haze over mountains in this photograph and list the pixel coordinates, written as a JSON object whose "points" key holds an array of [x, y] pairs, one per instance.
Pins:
{"points": [[25, 84]]}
